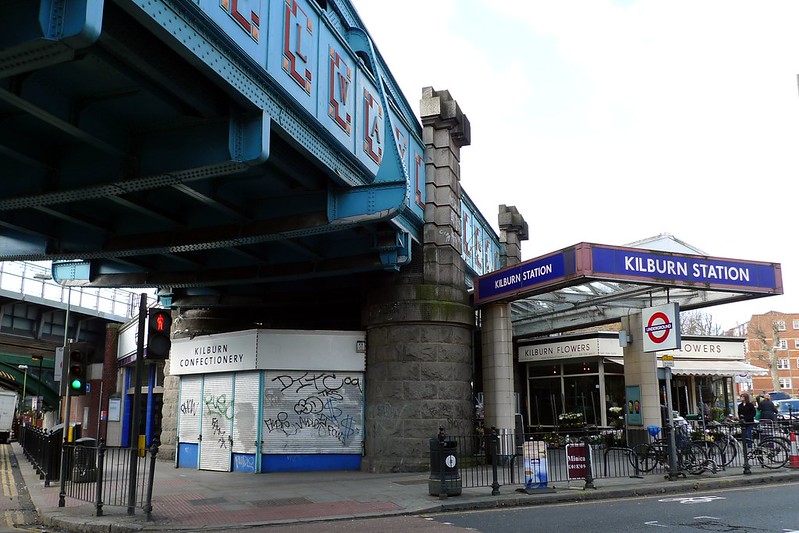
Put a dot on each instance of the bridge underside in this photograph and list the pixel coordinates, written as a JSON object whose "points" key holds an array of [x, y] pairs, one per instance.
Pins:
{"points": [[143, 163]]}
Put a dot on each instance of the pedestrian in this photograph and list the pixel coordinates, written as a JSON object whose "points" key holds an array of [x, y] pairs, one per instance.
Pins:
{"points": [[746, 417], [768, 411]]}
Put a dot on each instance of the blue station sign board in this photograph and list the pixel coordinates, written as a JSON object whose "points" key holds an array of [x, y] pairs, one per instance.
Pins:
{"points": [[587, 262]]}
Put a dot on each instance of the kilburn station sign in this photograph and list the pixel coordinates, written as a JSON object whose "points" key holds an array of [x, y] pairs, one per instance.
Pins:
{"points": [[587, 262]]}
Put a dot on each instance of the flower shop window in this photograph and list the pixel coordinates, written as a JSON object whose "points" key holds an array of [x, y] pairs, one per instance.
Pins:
{"points": [[582, 396], [584, 367]]}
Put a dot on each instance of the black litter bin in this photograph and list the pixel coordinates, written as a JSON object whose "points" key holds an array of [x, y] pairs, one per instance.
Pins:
{"points": [[84, 467], [444, 472]]}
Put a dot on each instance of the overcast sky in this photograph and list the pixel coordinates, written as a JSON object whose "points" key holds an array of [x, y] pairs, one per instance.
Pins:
{"points": [[613, 121]]}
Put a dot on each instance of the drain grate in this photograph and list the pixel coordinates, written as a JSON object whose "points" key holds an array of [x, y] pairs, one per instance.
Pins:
{"points": [[207, 501], [281, 501]]}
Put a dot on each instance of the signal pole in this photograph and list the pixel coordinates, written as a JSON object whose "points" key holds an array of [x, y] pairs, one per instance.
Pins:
{"points": [[134, 422], [64, 449]]}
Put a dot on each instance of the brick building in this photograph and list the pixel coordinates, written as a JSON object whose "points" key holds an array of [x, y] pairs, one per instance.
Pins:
{"points": [[772, 342]]}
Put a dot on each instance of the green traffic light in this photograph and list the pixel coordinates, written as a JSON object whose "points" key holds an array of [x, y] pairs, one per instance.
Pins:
{"points": [[76, 384]]}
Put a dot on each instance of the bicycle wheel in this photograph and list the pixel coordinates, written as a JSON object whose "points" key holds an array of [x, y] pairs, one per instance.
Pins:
{"points": [[644, 457], [714, 452], [694, 458], [729, 450], [773, 453]]}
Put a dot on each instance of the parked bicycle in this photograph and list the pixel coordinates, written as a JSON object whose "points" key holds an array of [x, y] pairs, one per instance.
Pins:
{"points": [[720, 442], [769, 449], [769, 446], [692, 457]]}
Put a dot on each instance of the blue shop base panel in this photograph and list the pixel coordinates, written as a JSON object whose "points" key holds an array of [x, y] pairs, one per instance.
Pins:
{"points": [[244, 462], [188, 456], [309, 462]]}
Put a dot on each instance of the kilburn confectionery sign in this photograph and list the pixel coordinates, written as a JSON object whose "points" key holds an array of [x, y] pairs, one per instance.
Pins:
{"points": [[587, 262]]}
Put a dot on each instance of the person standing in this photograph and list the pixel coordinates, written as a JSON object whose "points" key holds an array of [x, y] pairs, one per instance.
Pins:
{"points": [[768, 411], [746, 416]]}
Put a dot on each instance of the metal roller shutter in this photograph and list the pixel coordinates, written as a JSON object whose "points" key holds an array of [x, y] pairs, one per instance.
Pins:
{"points": [[245, 412], [312, 412], [217, 422], [189, 412]]}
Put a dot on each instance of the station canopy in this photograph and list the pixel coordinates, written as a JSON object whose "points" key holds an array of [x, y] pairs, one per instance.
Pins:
{"points": [[590, 284]]}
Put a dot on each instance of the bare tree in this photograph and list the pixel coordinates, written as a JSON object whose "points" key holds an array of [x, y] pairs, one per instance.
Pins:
{"points": [[698, 323], [769, 343]]}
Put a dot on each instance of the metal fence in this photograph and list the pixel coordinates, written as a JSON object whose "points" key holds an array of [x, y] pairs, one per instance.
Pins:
{"points": [[90, 471], [42, 448], [109, 475], [33, 279], [582, 455]]}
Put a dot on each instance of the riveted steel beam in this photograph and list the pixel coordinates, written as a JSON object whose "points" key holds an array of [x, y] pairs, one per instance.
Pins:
{"points": [[35, 35]]}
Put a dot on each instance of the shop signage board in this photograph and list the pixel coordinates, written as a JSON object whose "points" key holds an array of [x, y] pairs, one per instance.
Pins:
{"points": [[535, 464], [576, 461]]}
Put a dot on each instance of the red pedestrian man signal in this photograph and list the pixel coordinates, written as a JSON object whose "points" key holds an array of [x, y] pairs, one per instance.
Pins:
{"points": [[160, 321], [159, 324]]}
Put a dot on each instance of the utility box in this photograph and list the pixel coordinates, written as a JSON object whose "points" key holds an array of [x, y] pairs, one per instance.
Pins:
{"points": [[84, 466]]}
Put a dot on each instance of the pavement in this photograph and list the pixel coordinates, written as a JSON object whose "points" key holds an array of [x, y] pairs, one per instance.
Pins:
{"points": [[194, 500]]}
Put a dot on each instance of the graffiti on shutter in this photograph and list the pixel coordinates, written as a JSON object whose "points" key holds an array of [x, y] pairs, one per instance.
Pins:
{"points": [[189, 412], [245, 412], [312, 412], [217, 422]]}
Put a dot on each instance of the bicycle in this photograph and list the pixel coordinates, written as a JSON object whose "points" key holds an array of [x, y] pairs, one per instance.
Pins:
{"points": [[720, 443], [692, 457], [771, 452]]}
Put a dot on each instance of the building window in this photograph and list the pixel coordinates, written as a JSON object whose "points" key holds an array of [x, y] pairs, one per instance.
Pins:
{"points": [[796, 343], [783, 364], [785, 383], [795, 323], [782, 344], [779, 325]]}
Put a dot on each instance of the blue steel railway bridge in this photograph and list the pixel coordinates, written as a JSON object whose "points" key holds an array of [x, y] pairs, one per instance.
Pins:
{"points": [[255, 162]]}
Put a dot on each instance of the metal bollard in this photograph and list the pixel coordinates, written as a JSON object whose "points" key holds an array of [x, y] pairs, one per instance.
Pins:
{"points": [[589, 478], [744, 440], [494, 459], [442, 493]]}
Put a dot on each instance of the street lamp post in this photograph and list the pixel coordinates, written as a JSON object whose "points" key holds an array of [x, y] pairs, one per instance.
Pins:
{"points": [[24, 387], [39, 397]]}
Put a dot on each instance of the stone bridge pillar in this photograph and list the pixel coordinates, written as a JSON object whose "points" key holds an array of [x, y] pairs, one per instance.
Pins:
{"points": [[420, 323], [497, 332]]}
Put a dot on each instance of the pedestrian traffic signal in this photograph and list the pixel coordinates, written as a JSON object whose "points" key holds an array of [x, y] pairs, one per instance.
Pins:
{"points": [[77, 364], [159, 324]]}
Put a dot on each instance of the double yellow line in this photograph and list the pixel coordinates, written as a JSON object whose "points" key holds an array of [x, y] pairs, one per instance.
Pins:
{"points": [[9, 487]]}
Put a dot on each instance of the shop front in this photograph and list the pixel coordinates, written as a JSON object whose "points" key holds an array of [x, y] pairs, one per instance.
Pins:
{"points": [[580, 377], [270, 401]]}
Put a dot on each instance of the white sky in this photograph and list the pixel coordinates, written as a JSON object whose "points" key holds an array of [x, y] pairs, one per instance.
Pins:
{"points": [[613, 121]]}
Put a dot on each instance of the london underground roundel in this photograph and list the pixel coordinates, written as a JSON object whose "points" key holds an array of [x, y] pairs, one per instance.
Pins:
{"points": [[661, 328]]}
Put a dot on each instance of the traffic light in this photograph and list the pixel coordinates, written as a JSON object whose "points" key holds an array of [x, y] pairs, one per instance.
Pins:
{"points": [[77, 364], [159, 323]]}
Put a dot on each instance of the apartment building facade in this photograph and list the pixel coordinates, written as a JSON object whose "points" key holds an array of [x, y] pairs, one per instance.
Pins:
{"points": [[772, 342]]}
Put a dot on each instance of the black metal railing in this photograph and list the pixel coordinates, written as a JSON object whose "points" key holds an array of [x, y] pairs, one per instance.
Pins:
{"points": [[42, 448], [103, 475], [93, 472], [582, 454]]}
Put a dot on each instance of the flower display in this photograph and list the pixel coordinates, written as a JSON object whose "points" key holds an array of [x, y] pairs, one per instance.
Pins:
{"points": [[571, 419]]}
